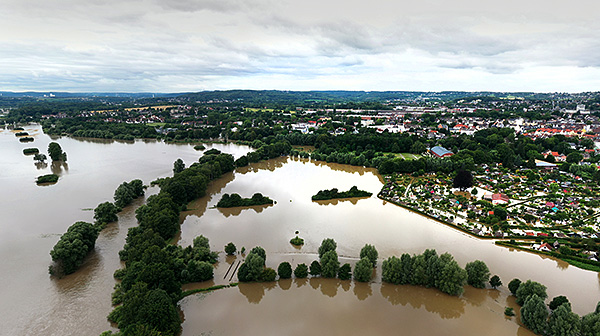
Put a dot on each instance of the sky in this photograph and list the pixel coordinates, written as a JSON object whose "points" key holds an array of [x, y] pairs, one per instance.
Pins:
{"points": [[374, 45]]}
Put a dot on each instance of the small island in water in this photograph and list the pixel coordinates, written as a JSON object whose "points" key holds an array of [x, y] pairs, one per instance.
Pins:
{"points": [[235, 200], [50, 178], [324, 195]]}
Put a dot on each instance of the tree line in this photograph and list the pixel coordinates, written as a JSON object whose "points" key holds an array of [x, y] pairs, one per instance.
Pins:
{"points": [[146, 299], [555, 318], [235, 200], [80, 239], [334, 193]]}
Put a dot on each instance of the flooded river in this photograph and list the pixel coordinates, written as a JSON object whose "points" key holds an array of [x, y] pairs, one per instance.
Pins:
{"points": [[33, 217]]}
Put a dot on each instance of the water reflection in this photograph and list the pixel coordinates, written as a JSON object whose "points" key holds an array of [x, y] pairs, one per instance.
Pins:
{"points": [[352, 200], [58, 167], [100, 141], [434, 301], [254, 292], [198, 207], [238, 210], [269, 165], [79, 280], [362, 290], [41, 165], [285, 284]]}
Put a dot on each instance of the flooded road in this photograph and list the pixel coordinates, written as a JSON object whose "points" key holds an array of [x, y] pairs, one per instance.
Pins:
{"points": [[33, 218]]}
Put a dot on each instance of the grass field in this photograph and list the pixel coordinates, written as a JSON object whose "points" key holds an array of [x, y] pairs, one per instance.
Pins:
{"points": [[407, 156], [156, 124]]}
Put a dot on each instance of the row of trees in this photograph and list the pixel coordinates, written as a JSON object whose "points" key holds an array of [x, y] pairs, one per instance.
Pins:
{"points": [[427, 269], [328, 265], [334, 193], [73, 246], [154, 270], [127, 192], [554, 319], [235, 200]]}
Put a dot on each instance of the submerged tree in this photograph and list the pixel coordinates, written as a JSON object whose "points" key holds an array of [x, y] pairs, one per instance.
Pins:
{"points": [[563, 322], [363, 271], [534, 314], [178, 166], [477, 273], [330, 264], [369, 252]]}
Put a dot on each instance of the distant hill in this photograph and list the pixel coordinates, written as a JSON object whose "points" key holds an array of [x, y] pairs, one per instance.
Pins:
{"points": [[53, 94]]}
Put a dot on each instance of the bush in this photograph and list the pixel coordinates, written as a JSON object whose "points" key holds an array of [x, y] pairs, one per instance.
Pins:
{"points": [[230, 248], [268, 275], [363, 271], [29, 151], [284, 270], [330, 264], [50, 178], [72, 248], [345, 272], [513, 286], [301, 271], [369, 252], [315, 268], [509, 311], [297, 241], [478, 273], [105, 213]]}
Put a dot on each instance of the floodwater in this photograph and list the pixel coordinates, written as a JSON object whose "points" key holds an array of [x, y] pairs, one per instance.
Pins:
{"points": [[33, 217], [331, 306]]}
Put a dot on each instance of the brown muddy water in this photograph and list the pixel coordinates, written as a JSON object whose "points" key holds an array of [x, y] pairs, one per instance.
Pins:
{"points": [[33, 218], [33, 303]]}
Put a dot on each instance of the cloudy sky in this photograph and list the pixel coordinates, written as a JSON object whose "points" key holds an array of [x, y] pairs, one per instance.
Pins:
{"points": [[194, 45]]}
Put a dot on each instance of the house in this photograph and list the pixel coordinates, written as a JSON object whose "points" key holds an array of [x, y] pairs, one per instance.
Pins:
{"points": [[545, 247], [440, 152], [497, 198]]}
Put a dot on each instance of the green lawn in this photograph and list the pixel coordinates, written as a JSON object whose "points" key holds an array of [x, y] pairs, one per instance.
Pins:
{"points": [[156, 124], [407, 156]]}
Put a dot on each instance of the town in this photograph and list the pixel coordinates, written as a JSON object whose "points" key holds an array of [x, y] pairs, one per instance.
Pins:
{"points": [[533, 159]]}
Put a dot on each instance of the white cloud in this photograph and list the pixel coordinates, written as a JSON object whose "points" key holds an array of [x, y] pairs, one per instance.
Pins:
{"points": [[186, 45]]}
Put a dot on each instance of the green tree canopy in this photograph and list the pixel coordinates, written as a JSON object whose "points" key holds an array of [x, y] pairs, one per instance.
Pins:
{"points": [[330, 264], [301, 271], [344, 273], [260, 251], [563, 322], [528, 288], [105, 213], [178, 166], [363, 270], [55, 152], [534, 314], [557, 302], [463, 180], [478, 273], [327, 245], [252, 268], [514, 285], [230, 248], [315, 268], [284, 270], [369, 252], [495, 282]]}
